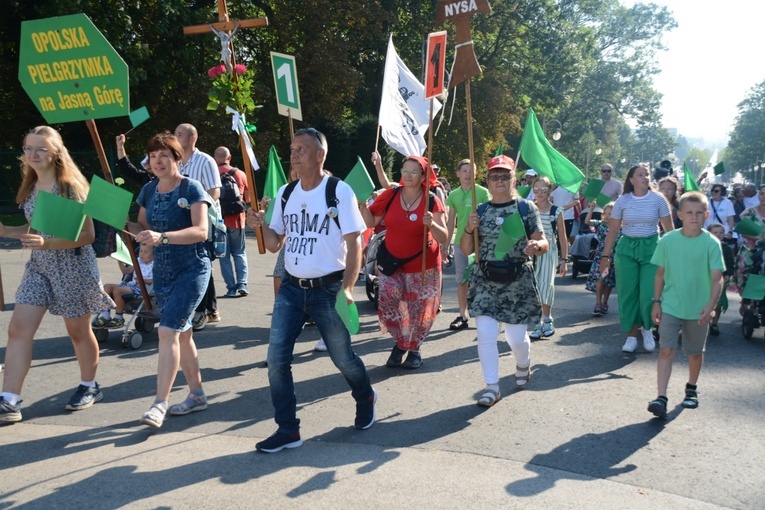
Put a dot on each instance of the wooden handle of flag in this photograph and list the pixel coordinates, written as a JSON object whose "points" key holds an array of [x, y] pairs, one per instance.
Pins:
{"points": [[292, 129], [253, 190], [472, 161], [377, 139], [2, 295]]}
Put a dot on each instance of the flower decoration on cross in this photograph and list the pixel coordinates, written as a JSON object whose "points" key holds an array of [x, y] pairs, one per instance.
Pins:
{"points": [[231, 89]]}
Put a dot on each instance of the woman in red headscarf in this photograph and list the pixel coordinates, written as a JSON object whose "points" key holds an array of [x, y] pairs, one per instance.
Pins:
{"points": [[409, 297]]}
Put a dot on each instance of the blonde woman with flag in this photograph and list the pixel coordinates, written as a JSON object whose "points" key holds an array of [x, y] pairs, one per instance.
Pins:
{"points": [[61, 276], [503, 290]]}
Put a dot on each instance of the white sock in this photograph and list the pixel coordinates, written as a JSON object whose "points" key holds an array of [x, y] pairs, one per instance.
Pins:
{"points": [[89, 384], [118, 316], [494, 387], [11, 398], [106, 314]]}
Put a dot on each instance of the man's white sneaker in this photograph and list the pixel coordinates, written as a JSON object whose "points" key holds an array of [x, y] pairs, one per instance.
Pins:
{"points": [[649, 344], [630, 345], [320, 346]]}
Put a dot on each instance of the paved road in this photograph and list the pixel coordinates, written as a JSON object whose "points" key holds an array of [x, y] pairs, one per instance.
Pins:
{"points": [[579, 437]]}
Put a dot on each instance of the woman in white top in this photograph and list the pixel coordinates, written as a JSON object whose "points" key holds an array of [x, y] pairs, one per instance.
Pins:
{"points": [[636, 214]]}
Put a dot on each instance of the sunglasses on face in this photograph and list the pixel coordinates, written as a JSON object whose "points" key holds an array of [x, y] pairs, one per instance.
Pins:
{"points": [[716, 190], [605, 171], [541, 190], [499, 177]]}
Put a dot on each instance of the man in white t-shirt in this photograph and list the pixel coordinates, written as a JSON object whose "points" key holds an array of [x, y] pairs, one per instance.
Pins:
{"points": [[567, 201], [322, 259]]}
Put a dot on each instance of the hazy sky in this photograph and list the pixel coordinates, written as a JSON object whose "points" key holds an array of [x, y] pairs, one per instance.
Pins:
{"points": [[713, 58]]}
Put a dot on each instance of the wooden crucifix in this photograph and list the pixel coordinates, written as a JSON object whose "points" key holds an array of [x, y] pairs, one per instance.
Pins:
{"points": [[465, 64], [224, 29]]}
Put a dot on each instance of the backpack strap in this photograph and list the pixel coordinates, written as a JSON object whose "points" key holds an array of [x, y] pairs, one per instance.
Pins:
{"points": [[330, 195], [287, 192], [554, 220]]}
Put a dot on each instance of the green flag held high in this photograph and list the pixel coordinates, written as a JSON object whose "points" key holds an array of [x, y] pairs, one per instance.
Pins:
{"points": [[501, 148], [512, 231], [593, 189], [537, 152], [57, 216], [689, 183], [275, 179], [122, 254], [139, 116], [359, 181], [108, 203], [719, 168]]}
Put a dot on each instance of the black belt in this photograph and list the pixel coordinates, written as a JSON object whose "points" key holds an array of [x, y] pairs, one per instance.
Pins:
{"points": [[313, 283]]}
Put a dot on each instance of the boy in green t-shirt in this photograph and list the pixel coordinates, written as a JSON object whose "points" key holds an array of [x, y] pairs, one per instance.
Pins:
{"points": [[686, 289], [460, 204]]}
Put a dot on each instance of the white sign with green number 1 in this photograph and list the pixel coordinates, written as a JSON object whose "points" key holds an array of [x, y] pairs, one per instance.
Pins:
{"points": [[286, 84]]}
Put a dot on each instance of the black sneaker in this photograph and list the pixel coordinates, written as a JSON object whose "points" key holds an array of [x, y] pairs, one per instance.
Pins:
{"points": [[84, 397], [279, 441], [413, 361], [365, 412], [9, 413], [658, 407], [396, 357]]}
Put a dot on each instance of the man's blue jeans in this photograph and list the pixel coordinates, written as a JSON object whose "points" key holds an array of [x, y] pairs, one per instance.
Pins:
{"points": [[235, 249], [292, 308]]}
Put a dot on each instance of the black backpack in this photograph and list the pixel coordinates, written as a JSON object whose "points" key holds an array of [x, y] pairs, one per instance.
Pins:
{"points": [[230, 195], [330, 194]]}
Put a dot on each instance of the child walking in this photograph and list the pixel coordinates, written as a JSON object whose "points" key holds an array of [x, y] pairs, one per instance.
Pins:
{"points": [[545, 265], [718, 230], [119, 291], [687, 287], [598, 283]]}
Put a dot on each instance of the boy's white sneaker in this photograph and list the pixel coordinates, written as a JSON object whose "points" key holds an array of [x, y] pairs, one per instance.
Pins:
{"points": [[649, 344], [630, 345]]}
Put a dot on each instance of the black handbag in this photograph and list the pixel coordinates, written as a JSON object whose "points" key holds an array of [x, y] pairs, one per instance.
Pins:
{"points": [[501, 271], [387, 264]]}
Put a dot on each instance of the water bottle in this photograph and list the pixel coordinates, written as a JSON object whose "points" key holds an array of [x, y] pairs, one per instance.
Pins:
{"points": [[219, 237]]}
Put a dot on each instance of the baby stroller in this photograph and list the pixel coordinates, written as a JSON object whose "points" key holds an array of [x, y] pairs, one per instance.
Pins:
{"points": [[583, 254], [144, 319], [370, 268]]}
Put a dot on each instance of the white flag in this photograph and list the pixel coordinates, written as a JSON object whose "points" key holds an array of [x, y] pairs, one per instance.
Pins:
{"points": [[403, 109]]}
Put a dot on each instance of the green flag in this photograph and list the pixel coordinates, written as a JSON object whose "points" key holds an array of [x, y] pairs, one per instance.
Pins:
{"points": [[108, 203], [593, 189], [754, 288], [689, 183], [348, 313], [57, 216], [719, 168], [501, 148], [537, 152], [512, 231], [139, 116], [275, 179], [603, 200], [524, 191], [470, 264], [122, 254], [748, 227], [359, 181]]}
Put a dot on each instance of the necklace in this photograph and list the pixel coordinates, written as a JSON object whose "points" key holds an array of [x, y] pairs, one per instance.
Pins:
{"points": [[408, 206]]}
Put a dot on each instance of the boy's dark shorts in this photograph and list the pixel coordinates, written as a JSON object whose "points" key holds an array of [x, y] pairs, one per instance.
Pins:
{"points": [[694, 335]]}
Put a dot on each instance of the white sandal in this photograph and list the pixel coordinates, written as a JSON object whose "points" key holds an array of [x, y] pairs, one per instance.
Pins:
{"points": [[489, 397], [522, 376], [154, 417]]}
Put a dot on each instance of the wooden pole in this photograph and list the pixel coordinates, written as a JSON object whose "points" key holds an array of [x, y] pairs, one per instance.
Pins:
{"points": [[377, 139], [292, 128], [2, 295], [472, 162], [128, 240], [426, 196]]}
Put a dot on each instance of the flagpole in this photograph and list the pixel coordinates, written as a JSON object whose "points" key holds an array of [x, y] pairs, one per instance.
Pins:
{"points": [[377, 140], [292, 129], [472, 162], [427, 186]]}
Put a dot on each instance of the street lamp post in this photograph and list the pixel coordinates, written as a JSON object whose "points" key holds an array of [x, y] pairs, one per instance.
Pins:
{"points": [[558, 132]]}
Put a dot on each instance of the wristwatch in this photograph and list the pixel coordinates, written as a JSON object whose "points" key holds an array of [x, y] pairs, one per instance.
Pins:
{"points": [[654, 300], [165, 239]]}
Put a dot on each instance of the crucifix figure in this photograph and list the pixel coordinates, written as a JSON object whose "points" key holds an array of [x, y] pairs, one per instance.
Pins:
{"points": [[225, 30], [465, 62], [225, 46]]}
